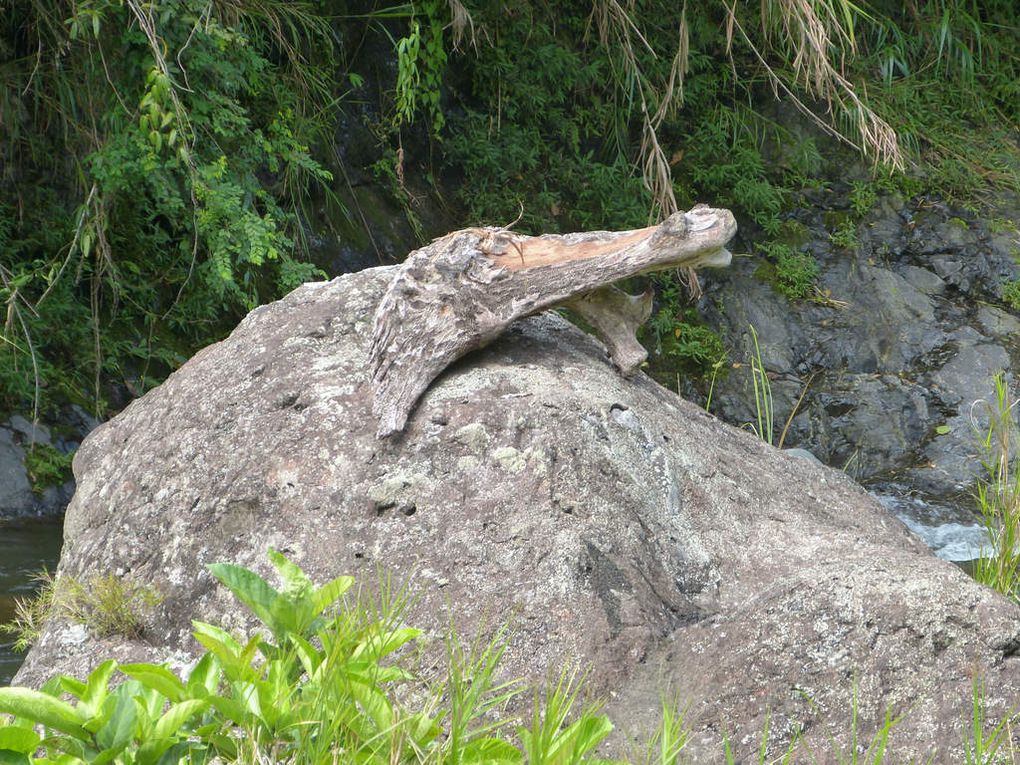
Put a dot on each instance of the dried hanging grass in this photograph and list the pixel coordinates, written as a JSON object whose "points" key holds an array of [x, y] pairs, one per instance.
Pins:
{"points": [[817, 38], [461, 22]]}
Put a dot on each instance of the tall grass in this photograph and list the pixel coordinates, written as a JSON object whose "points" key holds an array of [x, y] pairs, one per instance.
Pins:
{"points": [[998, 495]]}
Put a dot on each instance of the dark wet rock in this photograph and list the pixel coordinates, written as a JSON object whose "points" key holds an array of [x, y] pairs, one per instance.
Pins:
{"points": [[18, 435], [865, 423], [621, 526], [897, 364], [998, 322], [16, 496]]}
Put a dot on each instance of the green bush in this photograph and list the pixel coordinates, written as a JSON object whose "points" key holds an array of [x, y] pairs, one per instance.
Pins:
{"points": [[793, 273], [155, 156], [47, 466]]}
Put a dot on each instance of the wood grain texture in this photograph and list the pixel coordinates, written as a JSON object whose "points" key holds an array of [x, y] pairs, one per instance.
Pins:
{"points": [[463, 290]]}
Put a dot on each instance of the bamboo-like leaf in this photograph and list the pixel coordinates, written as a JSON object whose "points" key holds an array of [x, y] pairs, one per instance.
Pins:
{"points": [[251, 589], [308, 655], [205, 676], [96, 688], [295, 580], [120, 713], [490, 750]]}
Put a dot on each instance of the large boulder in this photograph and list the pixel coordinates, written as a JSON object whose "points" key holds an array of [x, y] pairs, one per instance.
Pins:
{"points": [[614, 524]]}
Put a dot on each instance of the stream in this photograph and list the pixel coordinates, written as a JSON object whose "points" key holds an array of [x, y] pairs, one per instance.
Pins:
{"points": [[26, 547]]}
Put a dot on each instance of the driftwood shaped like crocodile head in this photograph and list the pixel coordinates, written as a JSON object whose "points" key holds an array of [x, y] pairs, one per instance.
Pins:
{"points": [[462, 290]]}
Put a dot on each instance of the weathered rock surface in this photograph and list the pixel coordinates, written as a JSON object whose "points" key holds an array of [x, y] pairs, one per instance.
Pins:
{"points": [[912, 344], [617, 524]]}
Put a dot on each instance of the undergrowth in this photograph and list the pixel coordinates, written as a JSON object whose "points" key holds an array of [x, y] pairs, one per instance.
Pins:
{"points": [[106, 604], [160, 159], [47, 466]]}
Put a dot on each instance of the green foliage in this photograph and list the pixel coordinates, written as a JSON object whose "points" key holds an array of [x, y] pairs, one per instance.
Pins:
{"points": [[1011, 293], [47, 466], [762, 393], [981, 743], [998, 495], [844, 235], [793, 273], [105, 603], [863, 196], [421, 61], [31, 613], [678, 337], [156, 156], [324, 688]]}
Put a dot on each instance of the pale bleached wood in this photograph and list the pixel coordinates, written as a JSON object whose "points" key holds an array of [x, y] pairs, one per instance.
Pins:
{"points": [[461, 291]]}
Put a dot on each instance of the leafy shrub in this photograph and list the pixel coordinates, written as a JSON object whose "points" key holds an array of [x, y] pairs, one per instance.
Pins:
{"points": [[331, 684], [863, 196], [998, 495], [321, 687], [152, 185], [791, 272], [844, 235]]}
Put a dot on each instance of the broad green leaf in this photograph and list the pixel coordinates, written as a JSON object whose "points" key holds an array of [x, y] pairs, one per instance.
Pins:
{"points": [[107, 755], [96, 688], [150, 702], [65, 684], [491, 750], [379, 646], [220, 634], [296, 583], [375, 704], [423, 729], [184, 751], [205, 676], [330, 593], [175, 717], [18, 739], [157, 678], [251, 589], [226, 652], [11, 757], [43, 709], [120, 713], [231, 709], [308, 654]]}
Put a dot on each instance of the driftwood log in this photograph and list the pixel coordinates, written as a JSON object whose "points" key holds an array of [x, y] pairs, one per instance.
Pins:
{"points": [[461, 291]]}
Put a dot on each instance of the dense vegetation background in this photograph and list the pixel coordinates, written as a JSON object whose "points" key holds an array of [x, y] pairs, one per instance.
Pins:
{"points": [[168, 164]]}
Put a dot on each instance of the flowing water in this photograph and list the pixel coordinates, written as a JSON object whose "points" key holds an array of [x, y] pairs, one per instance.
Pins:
{"points": [[948, 525], [26, 547]]}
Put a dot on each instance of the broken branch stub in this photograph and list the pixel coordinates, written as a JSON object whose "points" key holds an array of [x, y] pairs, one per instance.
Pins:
{"points": [[461, 291]]}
